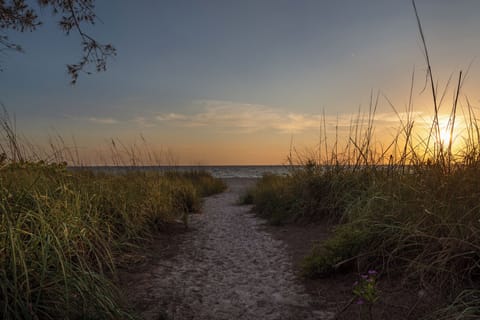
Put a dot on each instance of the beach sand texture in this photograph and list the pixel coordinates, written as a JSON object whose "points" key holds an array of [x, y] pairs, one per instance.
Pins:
{"points": [[226, 267]]}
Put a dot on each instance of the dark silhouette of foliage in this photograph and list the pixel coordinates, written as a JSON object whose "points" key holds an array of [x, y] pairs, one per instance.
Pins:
{"points": [[21, 16]]}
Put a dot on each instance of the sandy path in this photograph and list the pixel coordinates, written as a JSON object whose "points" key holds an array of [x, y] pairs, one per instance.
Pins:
{"points": [[227, 267]]}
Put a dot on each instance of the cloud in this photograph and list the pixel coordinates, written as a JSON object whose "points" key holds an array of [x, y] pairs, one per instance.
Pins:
{"points": [[238, 117], [143, 122], [170, 116], [103, 120], [242, 117], [248, 118]]}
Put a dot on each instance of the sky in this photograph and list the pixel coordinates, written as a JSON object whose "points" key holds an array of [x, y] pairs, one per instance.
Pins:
{"points": [[234, 82]]}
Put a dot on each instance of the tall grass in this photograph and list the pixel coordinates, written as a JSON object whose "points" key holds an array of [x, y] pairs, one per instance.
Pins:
{"points": [[63, 232], [413, 219], [408, 208]]}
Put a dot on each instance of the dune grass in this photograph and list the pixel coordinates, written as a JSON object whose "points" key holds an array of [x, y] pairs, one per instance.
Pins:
{"points": [[418, 223], [63, 232], [408, 208]]}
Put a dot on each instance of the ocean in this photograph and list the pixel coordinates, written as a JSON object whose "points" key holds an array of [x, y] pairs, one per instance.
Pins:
{"points": [[217, 171]]}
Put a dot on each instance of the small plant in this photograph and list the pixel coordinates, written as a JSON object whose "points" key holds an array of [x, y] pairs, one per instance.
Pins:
{"points": [[338, 252], [365, 289]]}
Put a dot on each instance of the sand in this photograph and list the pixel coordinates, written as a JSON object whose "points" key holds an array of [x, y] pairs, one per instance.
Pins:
{"points": [[227, 266]]}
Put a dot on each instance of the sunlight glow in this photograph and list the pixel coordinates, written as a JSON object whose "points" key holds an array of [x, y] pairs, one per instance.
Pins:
{"points": [[445, 136]]}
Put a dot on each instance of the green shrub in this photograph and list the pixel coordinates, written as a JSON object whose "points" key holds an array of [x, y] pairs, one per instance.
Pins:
{"points": [[273, 198], [309, 194], [337, 252]]}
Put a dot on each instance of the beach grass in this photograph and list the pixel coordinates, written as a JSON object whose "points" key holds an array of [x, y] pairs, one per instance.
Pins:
{"points": [[63, 233], [410, 220], [406, 208]]}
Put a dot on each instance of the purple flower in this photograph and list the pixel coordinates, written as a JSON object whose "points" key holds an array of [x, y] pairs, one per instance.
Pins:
{"points": [[372, 272], [365, 276], [360, 301]]}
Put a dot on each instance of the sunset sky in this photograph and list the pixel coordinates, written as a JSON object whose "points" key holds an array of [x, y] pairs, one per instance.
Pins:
{"points": [[234, 82]]}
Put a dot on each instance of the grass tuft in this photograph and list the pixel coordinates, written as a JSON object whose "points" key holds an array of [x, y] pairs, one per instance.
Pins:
{"points": [[63, 232]]}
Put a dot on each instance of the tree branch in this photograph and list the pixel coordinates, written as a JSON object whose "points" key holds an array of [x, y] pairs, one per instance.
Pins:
{"points": [[19, 16]]}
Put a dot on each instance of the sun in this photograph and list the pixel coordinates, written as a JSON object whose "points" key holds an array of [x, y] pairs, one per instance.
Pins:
{"points": [[450, 131], [445, 136]]}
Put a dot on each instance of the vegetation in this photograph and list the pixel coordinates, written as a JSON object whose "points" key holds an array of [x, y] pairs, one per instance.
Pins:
{"points": [[408, 209], [63, 232], [418, 221]]}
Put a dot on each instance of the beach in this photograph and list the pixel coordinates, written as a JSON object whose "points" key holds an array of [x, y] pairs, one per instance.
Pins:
{"points": [[226, 266]]}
